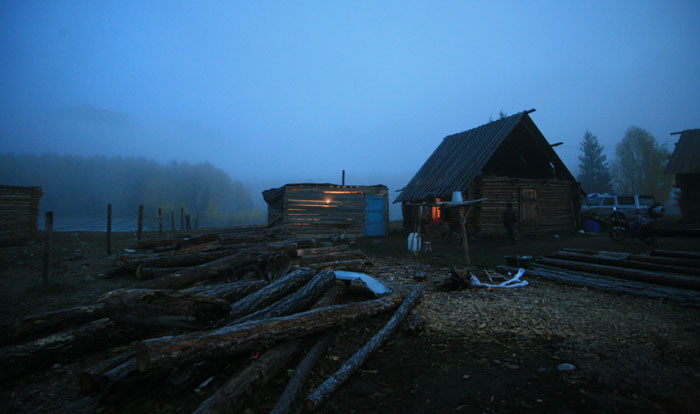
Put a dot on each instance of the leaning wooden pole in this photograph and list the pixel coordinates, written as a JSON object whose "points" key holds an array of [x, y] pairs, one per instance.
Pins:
{"points": [[465, 241], [316, 398]]}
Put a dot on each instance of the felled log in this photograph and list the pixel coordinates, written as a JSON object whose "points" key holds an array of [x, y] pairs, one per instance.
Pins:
{"points": [[293, 390], [671, 261], [264, 368], [171, 350], [164, 308], [331, 256], [182, 260], [155, 243], [180, 241], [166, 249], [632, 264], [148, 273], [686, 282], [297, 301], [230, 292], [126, 384], [613, 285], [322, 392], [322, 250], [63, 346], [220, 268], [675, 253], [202, 247], [580, 251], [188, 376], [260, 371], [44, 324], [355, 265], [254, 235], [646, 258], [93, 378], [270, 293]]}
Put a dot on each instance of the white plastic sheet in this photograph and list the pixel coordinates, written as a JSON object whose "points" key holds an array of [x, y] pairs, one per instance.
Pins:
{"points": [[511, 283], [372, 284]]}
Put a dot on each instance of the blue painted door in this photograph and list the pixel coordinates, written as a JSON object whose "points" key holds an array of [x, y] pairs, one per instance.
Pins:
{"points": [[375, 214]]}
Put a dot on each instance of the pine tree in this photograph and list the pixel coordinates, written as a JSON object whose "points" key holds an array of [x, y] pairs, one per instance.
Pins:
{"points": [[640, 165], [594, 175]]}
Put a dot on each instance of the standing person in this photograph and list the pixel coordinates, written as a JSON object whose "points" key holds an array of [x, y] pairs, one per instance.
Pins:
{"points": [[509, 220]]}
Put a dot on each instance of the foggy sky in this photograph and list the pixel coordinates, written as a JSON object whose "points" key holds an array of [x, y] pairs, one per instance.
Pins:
{"points": [[282, 92]]}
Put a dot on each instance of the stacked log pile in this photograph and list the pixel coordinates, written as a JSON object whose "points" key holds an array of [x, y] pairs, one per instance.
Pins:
{"points": [[270, 295], [660, 274]]}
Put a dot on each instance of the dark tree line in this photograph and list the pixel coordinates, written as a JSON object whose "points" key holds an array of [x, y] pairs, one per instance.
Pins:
{"points": [[82, 187], [638, 167], [593, 168]]}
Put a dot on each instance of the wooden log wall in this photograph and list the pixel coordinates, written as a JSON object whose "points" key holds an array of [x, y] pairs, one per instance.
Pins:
{"points": [[324, 210], [554, 205], [19, 210], [689, 201]]}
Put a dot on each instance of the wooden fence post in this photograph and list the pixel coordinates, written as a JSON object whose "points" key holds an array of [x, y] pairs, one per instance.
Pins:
{"points": [[109, 229], [160, 220], [187, 222], [172, 221], [140, 225], [182, 218], [48, 247], [196, 221]]}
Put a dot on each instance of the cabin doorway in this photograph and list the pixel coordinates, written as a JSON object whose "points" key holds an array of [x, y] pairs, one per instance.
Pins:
{"points": [[528, 209], [375, 215]]}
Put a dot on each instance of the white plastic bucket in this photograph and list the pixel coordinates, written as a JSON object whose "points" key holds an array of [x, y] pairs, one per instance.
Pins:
{"points": [[456, 197], [414, 242]]}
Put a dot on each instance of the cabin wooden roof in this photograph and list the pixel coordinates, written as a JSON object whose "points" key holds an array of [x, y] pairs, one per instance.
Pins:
{"points": [[461, 157], [686, 156]]}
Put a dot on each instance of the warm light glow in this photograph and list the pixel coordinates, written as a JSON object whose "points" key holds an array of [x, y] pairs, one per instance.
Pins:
{"points": [[306, 201], [343, 192], [313, 205], [328, 201], [435, 213]]}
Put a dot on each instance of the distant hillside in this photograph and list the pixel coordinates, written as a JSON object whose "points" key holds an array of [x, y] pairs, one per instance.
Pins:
{"points": [[78, 187]]}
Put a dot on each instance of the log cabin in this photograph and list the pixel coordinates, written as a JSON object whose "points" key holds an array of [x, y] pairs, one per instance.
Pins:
{"points": [[322, 210], [19, 211], [685, 165], [507, 161]]}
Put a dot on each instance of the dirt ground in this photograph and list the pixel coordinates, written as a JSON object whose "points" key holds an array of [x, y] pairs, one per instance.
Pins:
{"points": [[481, 351]]}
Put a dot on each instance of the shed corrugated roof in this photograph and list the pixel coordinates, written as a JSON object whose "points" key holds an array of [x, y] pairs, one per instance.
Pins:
{"points": [[460, 158], [686, 156]]}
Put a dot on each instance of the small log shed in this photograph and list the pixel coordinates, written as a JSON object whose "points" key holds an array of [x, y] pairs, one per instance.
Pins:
{"points": [[322, 210], [19, 211], [685, 165], [507, 161]]}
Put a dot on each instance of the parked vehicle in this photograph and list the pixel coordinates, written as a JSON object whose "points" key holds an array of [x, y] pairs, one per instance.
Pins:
{"points": [[602, 206], [621, 228]]}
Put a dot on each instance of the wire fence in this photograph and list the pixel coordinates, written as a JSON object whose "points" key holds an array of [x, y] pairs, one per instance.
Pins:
{"points": [[119, 224]]}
